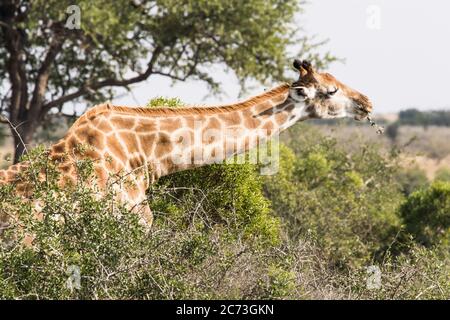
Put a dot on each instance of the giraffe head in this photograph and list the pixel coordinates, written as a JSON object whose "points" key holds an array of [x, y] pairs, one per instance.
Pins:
{"points": [[324, 97]]}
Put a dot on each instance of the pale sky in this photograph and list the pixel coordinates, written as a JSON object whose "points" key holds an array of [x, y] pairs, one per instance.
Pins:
{"points": [[396, 52]]}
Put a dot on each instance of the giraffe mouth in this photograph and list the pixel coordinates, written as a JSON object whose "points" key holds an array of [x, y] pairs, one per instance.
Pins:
{"points": [[361, 116], [361, 112], [362, 107], [380, 129]]}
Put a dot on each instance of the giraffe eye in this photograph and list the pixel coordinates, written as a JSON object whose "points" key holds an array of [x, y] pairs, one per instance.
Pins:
{"points": [[301, 91], [332, 92]]}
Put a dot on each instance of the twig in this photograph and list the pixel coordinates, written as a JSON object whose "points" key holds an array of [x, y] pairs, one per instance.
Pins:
{"points": [[6, 120], [380, 130]]}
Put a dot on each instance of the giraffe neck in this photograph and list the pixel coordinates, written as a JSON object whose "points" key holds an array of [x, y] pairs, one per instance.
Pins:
{"points": [[166, 140], [215, 137], [256, 125]]}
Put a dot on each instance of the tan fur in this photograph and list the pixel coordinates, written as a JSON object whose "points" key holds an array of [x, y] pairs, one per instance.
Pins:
{"points": [[125, 139], [142, 143]]}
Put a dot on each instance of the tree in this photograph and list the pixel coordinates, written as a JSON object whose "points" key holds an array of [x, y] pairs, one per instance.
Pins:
{"points": [[424, 118], [53, 52]]}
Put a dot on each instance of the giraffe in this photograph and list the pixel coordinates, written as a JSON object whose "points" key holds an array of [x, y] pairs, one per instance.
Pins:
{"points": [[145, 144]]}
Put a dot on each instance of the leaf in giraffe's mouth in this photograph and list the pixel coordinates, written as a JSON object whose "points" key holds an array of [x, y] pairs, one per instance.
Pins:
{"points": [[380, 130]]}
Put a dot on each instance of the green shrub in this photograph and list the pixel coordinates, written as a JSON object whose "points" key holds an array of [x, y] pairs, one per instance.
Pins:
{"points": [[421, 274], [164, 102], [207, 222], [216, 217], [345, 202], [426, 214], [225, 195], [96, 236], [278, 283]]}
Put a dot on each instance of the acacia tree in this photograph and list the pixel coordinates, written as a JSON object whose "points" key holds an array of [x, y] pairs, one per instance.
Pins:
{"points": [[53, 53]]}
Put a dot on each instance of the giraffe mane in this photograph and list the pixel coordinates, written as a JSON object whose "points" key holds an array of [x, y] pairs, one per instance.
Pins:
{"points": [[189, 110]]}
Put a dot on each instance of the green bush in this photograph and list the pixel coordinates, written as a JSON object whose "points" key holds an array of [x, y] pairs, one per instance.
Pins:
{"points": [[215, 218], [226, 195], [164, 102], [426, 214], [345, 202], [420, 274], [77, 230]]}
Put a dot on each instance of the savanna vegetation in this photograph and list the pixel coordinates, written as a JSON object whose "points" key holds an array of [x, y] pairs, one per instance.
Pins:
{"points": [[341, 207], [313, 230], [421, 118]]}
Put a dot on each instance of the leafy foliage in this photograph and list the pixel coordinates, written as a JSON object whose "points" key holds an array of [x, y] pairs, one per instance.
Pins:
{"points": [[187, 253], [164, 102], [114, 37], [346, 203], [427, 214]]}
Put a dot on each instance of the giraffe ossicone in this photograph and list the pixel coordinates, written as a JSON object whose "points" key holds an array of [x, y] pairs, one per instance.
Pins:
{"points": [[145, 144]]}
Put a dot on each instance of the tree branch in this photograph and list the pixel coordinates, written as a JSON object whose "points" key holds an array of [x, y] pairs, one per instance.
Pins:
{"points": [[167, 74], [106, 83], [15, 67], [190, 72], [13, 71], [43, 73]]}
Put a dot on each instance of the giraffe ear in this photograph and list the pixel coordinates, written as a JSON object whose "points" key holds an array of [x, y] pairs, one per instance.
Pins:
{"points": [[307, 66], [299, 66]]}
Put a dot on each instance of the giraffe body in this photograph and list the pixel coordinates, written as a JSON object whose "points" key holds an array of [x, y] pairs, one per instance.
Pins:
{"points": [[144, 144]]}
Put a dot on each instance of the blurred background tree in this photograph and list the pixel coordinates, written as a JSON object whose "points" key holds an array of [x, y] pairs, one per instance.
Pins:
{"points": [[44, 64], [424, 118]]}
